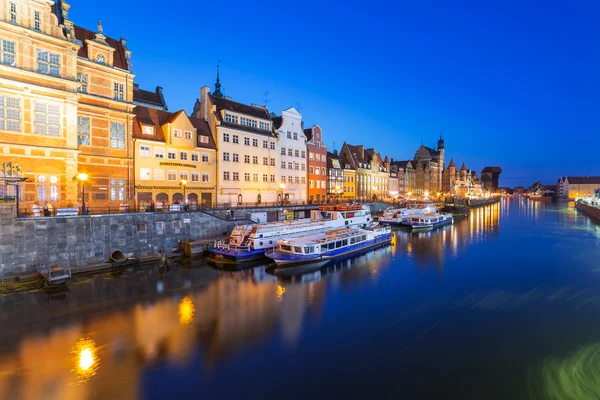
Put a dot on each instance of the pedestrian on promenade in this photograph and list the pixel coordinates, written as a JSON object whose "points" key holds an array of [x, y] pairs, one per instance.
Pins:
{"points": [[47, 209], [159, 205], [152, 208], [124, 206], [232, 214], [37, 209]]}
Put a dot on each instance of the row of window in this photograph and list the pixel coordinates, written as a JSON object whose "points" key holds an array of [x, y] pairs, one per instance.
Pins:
{"points": [[48, 63], [236, 139], [159, 152], [317, 184], [173, 176], [13, 16], [236, 158], [316, 170], [290, 135], [233, 119], [47, 189], [293, 165], [118, 88], [235, 176], [293, 153], [317, 157]]}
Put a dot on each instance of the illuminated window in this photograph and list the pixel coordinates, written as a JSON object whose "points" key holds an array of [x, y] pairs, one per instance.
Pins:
{"points": [[187, 134], [46, 119], [83, 130], [177, 133], [195, 177], [144, 151], [117, 189], [203, 139]]}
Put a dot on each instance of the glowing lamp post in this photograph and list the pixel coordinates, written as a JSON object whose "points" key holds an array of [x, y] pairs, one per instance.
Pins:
{"points": [[82, 177]]}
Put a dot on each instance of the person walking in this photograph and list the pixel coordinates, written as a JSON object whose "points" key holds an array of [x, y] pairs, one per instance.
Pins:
{"points": [[159, 205], [124, 207], [47, 209], [152, 207], [37, 209]]}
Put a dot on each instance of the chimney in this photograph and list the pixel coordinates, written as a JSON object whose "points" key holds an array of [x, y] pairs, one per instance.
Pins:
{"points": [[361, 150], [203, 110], [159, 92]]}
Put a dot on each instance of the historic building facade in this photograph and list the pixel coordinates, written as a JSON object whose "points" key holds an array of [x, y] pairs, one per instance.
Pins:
{"points": [[349, 180], [335, 177], [317, 164], [248, 156], [291, 146], [424, 174], [173, 154], [462, 182], [572, 187], [66, 100], [371, 173]]}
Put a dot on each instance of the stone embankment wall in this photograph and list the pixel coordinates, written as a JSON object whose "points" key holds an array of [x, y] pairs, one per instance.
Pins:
{"points": [[82, 240], [593, 212]]}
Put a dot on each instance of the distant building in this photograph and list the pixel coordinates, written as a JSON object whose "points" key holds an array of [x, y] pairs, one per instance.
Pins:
{"points": [[371, 173], [335, 177], [349, 180], [572, 187], [317, 164], [462, 182], [423, 174], [489, 178]]}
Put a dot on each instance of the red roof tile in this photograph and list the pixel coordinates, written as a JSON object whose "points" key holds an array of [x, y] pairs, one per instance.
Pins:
{"points": [[120, 60]]}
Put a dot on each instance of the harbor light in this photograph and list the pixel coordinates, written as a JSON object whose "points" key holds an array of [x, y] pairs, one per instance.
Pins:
{"points": [[85, 355], [186, 311]]}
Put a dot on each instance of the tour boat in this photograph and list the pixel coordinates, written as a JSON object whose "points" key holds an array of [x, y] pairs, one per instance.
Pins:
{"points": [[399, 216], [249, 242], [324, 246], [428, 221]]}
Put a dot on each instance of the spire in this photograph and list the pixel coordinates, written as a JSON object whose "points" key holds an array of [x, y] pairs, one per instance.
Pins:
{"points": [[217, 92], [451, 165], [463, 168]]}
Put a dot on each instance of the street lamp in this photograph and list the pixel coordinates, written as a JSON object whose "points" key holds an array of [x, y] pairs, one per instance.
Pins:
{"points": [[82, 177], [183, 182], [281, 189]]}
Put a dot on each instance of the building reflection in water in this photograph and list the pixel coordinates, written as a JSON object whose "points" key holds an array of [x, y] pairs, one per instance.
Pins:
{"points": [[432, 246], [101, 335]]}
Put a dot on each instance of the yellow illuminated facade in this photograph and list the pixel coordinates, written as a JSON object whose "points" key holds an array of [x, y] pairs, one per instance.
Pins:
{"points": [[66, 105]]}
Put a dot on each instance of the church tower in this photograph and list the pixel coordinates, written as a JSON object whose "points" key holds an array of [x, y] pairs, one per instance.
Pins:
{"points": [[217, 92], [442, 164]]}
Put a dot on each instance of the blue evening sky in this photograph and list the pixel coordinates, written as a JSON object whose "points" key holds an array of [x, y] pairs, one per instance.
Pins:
{"points": [[514, 84]]}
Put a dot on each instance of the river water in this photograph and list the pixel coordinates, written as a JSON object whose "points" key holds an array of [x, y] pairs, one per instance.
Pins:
{"points": [[504, 304]]}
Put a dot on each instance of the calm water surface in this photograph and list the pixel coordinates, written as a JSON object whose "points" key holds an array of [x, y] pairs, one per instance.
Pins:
{"points": [[501, 305]]}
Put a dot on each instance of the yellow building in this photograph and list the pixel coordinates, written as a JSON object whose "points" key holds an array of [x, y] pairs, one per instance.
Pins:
{"points": [[173, 152], [65, 105], [349, 181]]}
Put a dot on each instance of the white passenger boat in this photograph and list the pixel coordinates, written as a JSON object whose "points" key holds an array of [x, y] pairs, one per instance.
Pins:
{"points": [[429, 221], [399, 216], [325, 246], [249, 242]]}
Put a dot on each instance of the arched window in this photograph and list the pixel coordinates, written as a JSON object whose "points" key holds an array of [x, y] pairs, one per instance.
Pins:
{"points": [[100, 59]]}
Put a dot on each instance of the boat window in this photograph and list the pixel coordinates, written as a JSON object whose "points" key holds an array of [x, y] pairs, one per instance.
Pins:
{"points": [[331, 245], [338, 244], [298, 249], [345, 242], [285, 247], [308, 249], [323, 247], [363, 238]]}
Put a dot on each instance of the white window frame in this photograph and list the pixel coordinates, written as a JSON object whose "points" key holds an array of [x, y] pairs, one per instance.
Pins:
{"points": [[173, 173], [183, 153], [173, 152], [117, 135], [37, 20], [187, 135], [159, 151], [177, 133], [205, 177], [13, 16], [195, 156], [83, 130], [145, 151], [8, 52], [205, 158], [46, 118], [203, 139], [195, 176], [145, 174], [118, 91]]}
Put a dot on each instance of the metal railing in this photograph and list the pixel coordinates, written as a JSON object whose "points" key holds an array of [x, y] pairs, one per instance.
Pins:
{"points": [[217, 209]]}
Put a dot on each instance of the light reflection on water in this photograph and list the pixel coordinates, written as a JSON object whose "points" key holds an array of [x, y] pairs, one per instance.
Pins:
{"points": [[101, 337]]}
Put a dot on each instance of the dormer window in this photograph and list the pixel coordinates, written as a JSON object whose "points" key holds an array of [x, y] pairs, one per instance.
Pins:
{"points": [[100, 59], [148, 130], [264, 126], [203, 139], [232, 119]]}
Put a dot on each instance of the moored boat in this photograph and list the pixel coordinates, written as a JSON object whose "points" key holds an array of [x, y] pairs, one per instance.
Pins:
{"points": [[249, 242], [429, 221], [324, 246], [399, 216]]}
